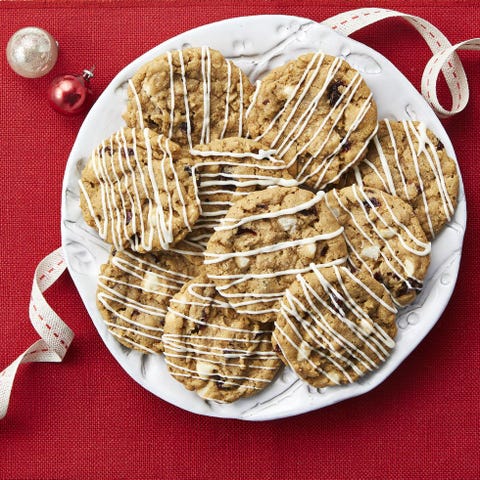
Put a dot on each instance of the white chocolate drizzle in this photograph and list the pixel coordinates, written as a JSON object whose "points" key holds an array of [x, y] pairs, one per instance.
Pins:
{"points": [[235, 286], [307, 319], [142, 277], [214, 358], [421, 148], [142, 190], [291, 128], [385, 235], [206, 77]]}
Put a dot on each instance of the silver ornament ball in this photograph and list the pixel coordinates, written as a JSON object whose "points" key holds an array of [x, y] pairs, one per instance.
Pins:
{"points": [[32, 52]]}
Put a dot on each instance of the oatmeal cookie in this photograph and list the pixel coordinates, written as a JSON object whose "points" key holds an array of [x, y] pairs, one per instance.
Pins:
{"points": [[407, 160], [133, 293], [191, 96], [212, 349], [335, 326], [266, 239], [383, 236], [319, 115], [136, 192]]}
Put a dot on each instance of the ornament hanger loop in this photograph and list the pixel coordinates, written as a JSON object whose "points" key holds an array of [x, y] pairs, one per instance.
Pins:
{"points": [[88, 73]]}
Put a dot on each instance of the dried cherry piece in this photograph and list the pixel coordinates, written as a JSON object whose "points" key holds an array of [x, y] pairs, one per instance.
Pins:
{"points": [[409, 285], [373, 201], [220, 382], [378, 277], [308, 211], [198, 328], [243, 231], [334, 93], [414, 284], [402, 290]]}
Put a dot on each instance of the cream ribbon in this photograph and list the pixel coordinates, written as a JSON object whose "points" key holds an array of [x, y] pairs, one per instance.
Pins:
{"points": [[444, 58], [56, 336]]}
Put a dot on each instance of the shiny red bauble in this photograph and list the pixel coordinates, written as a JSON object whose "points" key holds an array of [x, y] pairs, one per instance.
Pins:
{"points": [[71, 94]]}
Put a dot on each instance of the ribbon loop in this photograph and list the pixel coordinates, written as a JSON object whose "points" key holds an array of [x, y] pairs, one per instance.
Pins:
{"points": [[55, 335], [456, 78], [444, 57]]}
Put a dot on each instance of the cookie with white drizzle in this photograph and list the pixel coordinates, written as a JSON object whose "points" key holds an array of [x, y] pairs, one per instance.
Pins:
{"points": [[136, 192], [227, 170], [317, 113], [384, 237], [133, 293], [213, 350], [335, 326], [191, 96], [407, 160], [267, 238]]}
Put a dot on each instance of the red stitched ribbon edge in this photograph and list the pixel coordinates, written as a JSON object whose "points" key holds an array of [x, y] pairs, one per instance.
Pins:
{"points": [[55, 335]]}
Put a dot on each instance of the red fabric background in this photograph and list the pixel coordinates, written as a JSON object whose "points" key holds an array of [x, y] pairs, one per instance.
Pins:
{"points": [[85, 418]]}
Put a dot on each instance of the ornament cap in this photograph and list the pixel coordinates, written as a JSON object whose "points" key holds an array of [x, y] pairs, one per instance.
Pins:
{"points": [[87, 74]]}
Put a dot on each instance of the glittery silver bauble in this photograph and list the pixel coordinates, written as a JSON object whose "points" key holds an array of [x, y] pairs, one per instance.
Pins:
{"points": [[32, 52]]}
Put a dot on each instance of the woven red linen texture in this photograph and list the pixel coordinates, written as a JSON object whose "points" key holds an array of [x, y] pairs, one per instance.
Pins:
{"points": [[85, 418]]}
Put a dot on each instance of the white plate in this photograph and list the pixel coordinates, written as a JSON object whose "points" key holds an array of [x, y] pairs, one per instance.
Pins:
{"points": [[257, 44]]}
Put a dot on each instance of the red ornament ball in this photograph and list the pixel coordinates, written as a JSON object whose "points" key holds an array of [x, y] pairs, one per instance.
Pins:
{"points": [[71, 94]]}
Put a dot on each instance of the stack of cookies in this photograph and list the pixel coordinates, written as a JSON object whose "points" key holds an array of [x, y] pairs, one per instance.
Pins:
{"points": [[260, 226]]}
